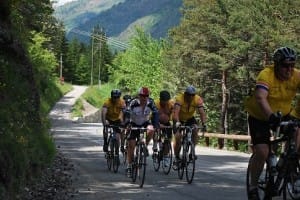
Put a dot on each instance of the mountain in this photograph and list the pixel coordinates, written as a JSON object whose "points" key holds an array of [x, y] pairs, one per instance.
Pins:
{"points": [[119, 17]]}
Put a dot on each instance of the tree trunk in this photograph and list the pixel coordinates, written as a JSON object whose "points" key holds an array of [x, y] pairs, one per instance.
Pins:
{"points": [[224, 123]]}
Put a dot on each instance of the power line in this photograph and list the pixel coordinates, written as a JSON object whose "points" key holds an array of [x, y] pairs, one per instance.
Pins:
{"points": [[102, 38]]}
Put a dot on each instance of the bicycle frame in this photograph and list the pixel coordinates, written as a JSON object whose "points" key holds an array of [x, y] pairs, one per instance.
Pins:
{"points": [[187, 157], [288, 168], [164, 150], [112, 155], [139, 161]]}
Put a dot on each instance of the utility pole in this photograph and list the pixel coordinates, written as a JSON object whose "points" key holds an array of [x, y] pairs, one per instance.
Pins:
{"points": [[100, 60], [60, 71], [92, 67], [61, 78]]}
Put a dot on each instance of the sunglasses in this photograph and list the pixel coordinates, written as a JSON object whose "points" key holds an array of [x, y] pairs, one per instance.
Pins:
{"points": [[287, 65], [143, 95]]}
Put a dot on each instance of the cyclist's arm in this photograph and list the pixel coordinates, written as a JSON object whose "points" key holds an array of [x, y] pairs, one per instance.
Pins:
{"points": [[103, 114], [261, 95], [155, 114], [176, 112]]}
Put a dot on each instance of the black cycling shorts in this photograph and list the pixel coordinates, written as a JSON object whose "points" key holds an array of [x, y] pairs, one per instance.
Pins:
{"points": [[167, 131], [134, 134], [260, 130]]}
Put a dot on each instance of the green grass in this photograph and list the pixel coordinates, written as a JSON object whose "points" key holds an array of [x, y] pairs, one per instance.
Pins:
{"points": [[96, 96]]}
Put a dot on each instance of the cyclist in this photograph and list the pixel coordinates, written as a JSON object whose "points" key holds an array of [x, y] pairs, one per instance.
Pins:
{"points": [[165, 106], [112, 113], [143, 113], [186, 105], [276, 87], [127, 98]]}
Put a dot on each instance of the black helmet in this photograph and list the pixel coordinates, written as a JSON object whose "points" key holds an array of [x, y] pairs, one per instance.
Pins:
{"points": [[190, 90], [164, 95], [115, 93], [284, 53]]}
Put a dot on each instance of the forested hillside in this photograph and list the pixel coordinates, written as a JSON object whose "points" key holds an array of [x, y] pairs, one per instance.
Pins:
{"points": [[155, 16], [28, 90]]}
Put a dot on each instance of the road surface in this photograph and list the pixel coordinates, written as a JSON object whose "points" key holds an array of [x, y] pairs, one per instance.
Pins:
{"points": [[219, 174]]}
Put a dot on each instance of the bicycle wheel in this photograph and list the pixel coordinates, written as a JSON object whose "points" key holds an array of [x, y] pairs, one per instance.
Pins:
{"points": [[181, 161], [263, 181], [125, 152], [134, 166], [141, 169], [156, 160], [291, 184], [167, 158], [108, 156], [190, 162], [115, 155]]}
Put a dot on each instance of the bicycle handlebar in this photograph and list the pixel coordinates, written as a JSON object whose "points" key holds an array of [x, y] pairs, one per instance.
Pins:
{"points": [[294, 123]]}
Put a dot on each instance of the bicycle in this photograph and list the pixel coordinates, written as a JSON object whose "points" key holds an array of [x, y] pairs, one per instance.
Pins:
{"points": [[284, 176], [112, 155], [164, 153], [125, 152], [187, 155], [139, 164]]}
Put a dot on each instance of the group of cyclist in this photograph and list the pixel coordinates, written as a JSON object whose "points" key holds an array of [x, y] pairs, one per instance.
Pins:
{"points": [[143, 111], [276, 88]]}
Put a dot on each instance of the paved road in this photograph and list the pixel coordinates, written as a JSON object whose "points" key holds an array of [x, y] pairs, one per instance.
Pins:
{"points": [[219, 174]]}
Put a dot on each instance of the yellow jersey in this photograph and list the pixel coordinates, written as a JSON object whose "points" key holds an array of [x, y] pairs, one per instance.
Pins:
{"points": [[281, 93], [114, 109], [167, 110], [187, 111]]}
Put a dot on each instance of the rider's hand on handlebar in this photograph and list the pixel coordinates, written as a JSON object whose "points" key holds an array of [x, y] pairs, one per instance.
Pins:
{"points": [[274, 120], [177, 124]]}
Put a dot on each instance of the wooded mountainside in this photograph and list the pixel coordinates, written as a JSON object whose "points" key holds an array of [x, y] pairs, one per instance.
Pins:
{"points": [[119, 18]]}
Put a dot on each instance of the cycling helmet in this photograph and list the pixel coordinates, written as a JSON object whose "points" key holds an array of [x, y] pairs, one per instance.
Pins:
{"points": [[144, 91], [164, 95], [190, 90], [115, 93], [284, 54], [126, 97]]}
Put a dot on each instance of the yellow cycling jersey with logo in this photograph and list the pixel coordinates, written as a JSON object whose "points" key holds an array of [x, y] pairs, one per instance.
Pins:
{"points": [[114, 110], [280, 93], [187, 111]]}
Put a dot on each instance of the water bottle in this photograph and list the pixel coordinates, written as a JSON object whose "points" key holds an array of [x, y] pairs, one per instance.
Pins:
{"points": [[272, 161]]}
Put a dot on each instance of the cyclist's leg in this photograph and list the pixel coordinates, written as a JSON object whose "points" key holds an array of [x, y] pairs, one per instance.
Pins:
{"points": [[105, 138], [176, 147], [260, 136], [130, 151]]}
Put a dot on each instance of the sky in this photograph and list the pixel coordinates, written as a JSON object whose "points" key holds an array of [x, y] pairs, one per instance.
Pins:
{"points": [[61, 2]]}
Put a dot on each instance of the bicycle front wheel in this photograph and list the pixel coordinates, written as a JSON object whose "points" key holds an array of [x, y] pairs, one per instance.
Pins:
{"points": [[141, 169], [263, 181], [190, 162], [115, 156], [108, 156], [291, 184], [181, 161], [156, 160], [167, 158]]}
